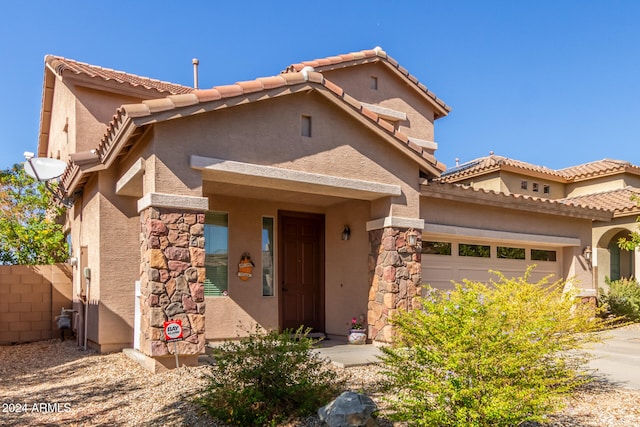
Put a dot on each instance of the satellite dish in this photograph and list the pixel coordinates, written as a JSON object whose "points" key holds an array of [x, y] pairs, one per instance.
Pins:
{"points": [[44, 169]]}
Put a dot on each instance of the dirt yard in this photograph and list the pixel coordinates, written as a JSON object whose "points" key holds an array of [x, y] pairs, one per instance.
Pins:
{"points": [[53, 383]]}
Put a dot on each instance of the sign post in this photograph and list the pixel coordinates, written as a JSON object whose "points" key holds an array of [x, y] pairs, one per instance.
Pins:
{"points": [[173, 333]]}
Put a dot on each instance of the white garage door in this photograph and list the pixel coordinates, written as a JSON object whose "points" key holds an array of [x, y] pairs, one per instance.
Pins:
{"points": [[445, 261]]}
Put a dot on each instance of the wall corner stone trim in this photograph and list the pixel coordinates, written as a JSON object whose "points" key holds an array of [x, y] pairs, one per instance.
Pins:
{"points": [[395, 274], [172, 256]]}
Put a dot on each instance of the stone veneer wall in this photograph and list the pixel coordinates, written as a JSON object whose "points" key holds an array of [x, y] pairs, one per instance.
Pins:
{"points": [[395, 273], [172, 277]]}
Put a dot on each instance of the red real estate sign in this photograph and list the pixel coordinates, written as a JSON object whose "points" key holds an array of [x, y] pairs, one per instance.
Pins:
{"points": [[173, 330]]}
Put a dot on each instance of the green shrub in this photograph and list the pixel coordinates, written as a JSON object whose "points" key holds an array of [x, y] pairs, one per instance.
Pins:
{"points": [[622, 299], [488, 354], [266, 378]]}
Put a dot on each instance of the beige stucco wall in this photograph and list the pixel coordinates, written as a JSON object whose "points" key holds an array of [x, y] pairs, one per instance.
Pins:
{"points": [[512, 184], [603, 234], [338, 147], [79, 118], [346, 270], [393, 92], [109, 228], [61, 142], [605, 183], [454, 213]]}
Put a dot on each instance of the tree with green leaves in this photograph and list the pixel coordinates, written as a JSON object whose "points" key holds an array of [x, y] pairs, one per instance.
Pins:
{"points": [[29, 233]]}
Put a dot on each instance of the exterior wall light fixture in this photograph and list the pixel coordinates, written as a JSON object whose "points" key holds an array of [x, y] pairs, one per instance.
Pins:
{"points": [[587, 253], [346, 233], [412, 238]]}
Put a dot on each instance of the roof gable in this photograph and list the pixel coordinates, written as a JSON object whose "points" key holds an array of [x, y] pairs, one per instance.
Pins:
{"points": [[83, 74], [122, 130], [369, 56]]}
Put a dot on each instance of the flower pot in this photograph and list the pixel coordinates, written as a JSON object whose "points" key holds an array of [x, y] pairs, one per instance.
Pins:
{"points": [[357, 336]]}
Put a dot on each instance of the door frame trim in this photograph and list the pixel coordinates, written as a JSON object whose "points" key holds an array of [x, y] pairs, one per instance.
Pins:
{"points": [[321, 261]]}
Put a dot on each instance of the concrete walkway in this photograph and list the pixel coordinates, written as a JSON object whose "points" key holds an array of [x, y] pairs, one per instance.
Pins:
{"points": [[344, 355], [617, 359]]}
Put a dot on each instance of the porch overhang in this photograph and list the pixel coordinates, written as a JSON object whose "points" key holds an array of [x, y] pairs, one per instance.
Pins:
{"points": [[275, 178]]}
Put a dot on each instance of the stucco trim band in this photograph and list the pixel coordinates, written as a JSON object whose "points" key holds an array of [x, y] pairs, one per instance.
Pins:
{"points": [[424, 143], [161, 200], [130, 184], [386, 113], [286, 179], [503, 236], [395, 221]]}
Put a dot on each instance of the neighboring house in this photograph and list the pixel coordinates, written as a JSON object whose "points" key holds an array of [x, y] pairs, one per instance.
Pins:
{"points": [[324, 175], [609, 185]]}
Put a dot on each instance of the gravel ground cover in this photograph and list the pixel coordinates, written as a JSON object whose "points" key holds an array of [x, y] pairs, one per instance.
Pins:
{"points": [[53, 383]]}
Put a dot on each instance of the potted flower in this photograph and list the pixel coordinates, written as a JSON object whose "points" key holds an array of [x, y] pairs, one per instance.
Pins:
{"points": [[357, 333]]}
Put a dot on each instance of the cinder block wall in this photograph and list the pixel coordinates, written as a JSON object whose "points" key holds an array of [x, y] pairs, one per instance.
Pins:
{"points": [[31, 297]]}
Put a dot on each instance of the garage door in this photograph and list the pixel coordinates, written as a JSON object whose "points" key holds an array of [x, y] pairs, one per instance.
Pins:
{"points": [[445, 261]]}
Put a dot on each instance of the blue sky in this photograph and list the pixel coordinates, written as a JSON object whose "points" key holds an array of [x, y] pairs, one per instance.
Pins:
{"points": [[554, 83]]}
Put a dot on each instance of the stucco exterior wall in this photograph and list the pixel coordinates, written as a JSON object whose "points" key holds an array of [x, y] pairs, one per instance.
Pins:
{"points": [[597, 185], [490, 181], [346, 282], [512, 184], [338, 147], [447, 212], [603, 234], [119, 263], [63, 115], [392, 92]]}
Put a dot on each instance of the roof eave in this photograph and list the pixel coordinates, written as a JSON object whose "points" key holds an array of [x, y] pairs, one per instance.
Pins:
{"points": [[512, 201]]}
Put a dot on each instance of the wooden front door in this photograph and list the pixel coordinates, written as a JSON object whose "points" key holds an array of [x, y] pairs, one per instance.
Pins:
{"points": [[301, 265]]}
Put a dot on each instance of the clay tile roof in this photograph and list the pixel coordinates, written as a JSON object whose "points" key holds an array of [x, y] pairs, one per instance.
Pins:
{"points": [[620, 200], [571, 207], [376, 54], [60, 65], [148, 108], [490, 163], [600, 167]]}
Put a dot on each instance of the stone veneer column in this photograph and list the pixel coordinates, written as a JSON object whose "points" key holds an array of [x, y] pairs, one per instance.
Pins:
{"points": [[395, 273], [172, 277]]}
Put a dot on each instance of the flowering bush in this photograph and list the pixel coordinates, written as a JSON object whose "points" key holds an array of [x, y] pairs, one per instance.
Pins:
{"points": [[488, 354], [355, 324]]}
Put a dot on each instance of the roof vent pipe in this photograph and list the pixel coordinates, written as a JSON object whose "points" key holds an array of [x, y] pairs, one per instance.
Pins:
{"points": [[195, 63]]}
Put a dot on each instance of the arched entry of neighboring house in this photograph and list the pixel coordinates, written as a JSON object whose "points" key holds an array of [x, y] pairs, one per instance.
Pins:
{"points": [[621, 262]]}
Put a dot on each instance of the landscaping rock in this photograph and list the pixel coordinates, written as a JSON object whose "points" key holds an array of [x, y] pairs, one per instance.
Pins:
{"points": [[350, 409]]}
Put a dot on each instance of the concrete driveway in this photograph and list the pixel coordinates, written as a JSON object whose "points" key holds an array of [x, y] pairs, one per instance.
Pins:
{"points": [[617, 359]]}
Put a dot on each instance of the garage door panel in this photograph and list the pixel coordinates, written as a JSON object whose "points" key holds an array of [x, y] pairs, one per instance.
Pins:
{"points": [[439, 271]]}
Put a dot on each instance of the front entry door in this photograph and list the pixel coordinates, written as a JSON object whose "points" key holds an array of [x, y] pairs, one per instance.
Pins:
{"points": [[301, 265]]}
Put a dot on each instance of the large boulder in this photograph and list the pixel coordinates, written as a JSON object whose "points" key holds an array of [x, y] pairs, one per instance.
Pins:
{"points": [[350, 409]]}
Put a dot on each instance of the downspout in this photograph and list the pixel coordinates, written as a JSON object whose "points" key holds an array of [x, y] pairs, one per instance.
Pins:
{"points": [[87, 276]]}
